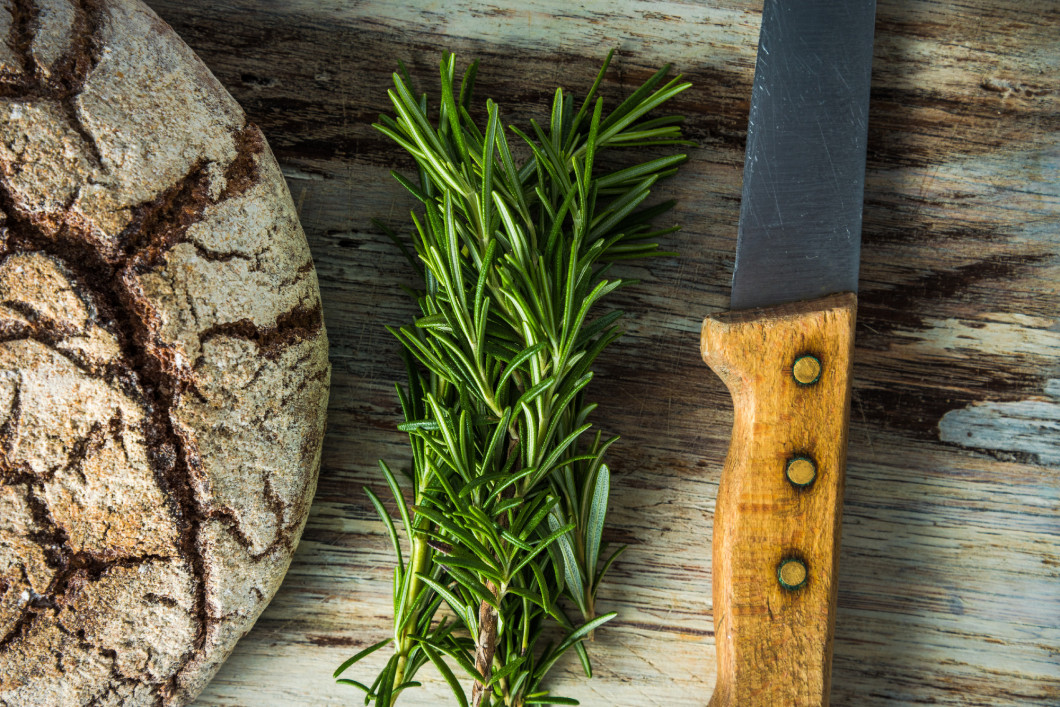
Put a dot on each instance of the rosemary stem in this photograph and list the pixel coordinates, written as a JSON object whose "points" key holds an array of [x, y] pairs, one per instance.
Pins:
{"points": [[526, 629], [485, 649], [503, 686], [403, 639]]}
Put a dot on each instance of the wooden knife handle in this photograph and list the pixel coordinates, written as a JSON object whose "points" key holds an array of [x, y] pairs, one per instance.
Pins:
{"points": [[779, 507]]}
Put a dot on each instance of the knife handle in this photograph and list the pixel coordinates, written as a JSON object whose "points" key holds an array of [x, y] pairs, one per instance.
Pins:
{"points": [[779, 507]]}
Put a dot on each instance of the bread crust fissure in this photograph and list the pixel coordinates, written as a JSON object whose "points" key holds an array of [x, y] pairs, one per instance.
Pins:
{"points": [[23, 30], [163, 362], [159, 224], [294, 325], [140, 369], [63, 81], [147, 367]]}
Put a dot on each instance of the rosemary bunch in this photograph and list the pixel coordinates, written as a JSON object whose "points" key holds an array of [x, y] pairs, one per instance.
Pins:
{"points": [[508, 486]]}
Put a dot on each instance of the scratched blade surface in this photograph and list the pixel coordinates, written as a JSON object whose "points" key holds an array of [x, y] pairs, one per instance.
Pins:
{"points": [[804, 172]]}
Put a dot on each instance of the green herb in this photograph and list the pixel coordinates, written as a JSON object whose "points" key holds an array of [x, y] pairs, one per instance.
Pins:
{"points": [[509, 489]]}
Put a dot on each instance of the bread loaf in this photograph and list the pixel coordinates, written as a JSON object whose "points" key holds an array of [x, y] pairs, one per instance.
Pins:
{"points": [[163, 362]]}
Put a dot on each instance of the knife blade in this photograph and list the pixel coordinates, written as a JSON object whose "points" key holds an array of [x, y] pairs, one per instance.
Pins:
{"points": [[785, 353], [804, 171]]}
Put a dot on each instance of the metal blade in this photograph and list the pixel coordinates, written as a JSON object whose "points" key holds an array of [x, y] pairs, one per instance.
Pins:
{"points": [[804, 172]]}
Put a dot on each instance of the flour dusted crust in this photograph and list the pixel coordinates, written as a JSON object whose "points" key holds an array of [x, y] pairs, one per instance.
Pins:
{"points": [[163, 362]]}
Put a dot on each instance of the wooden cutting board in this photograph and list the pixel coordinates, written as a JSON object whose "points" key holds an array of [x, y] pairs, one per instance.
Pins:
{"points": [[950, 568]]}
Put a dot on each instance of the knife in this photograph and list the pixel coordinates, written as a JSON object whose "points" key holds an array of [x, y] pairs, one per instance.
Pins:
{"points": [[785, 353]]}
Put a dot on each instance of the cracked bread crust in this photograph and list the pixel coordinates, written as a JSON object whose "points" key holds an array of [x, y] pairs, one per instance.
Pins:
{"points": [[163, 362]]}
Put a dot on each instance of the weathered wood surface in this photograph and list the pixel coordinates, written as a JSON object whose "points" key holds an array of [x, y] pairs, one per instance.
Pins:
{"points": [[950, 566]]}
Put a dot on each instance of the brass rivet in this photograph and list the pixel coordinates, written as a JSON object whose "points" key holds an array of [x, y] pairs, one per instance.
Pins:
{"points": [[792, 573], [801, 471], [806, 369]]}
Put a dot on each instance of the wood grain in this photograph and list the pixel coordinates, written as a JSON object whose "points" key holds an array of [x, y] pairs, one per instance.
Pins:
{"points": [[774, 642], [949, 587]]}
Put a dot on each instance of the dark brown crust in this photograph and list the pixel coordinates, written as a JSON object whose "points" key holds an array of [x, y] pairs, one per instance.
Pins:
{"points": [[106, 275], [159, 224], [67, 77], [298, 324], [74, 67], [147, 371], [23, 30], [141, 373]]}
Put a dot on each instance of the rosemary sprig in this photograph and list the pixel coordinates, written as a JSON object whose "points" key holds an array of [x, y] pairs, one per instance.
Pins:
{"points": [[508, 486]]}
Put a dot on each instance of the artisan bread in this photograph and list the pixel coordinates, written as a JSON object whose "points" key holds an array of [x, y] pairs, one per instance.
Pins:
{"points": [[163, 362]]}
